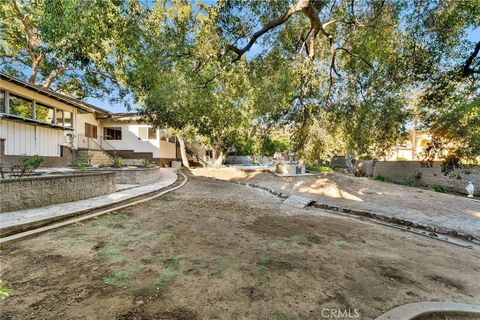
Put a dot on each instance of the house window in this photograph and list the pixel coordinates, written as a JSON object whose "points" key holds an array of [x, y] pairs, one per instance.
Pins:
{"points": [[59, 117], [2, 101], [143, 133], [112, 133], [21, 107], [44, 113], [67, 119], [152, 133], [90, 130]]}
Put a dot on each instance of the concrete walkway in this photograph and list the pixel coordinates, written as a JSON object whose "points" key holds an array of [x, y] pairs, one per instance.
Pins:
{"points": [[23, 219], [442, 213]]}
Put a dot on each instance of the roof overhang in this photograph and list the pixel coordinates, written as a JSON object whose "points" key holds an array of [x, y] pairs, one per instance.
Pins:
{"points": [[54, 95], [15, 118]]}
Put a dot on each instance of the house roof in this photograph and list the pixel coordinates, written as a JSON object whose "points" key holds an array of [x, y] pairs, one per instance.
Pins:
{"points": [[55, 95]]}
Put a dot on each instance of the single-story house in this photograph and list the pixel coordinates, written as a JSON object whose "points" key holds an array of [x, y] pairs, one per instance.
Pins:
{"points": [[38, 121]]}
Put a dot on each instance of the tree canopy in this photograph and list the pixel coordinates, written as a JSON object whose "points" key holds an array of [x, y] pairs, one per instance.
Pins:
{"points": [[328, 76]]}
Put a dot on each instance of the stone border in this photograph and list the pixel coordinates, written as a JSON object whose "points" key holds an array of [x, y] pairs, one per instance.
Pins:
{"points": [[431, 230], [411, 311]]}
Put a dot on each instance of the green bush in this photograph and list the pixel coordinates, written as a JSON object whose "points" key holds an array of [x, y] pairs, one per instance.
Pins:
{"points": [[382, 178], [319, 168], [336, 166], [145, 163], [440, 188], [27, 165], [79, 165], [116, 161], [401, 159]]}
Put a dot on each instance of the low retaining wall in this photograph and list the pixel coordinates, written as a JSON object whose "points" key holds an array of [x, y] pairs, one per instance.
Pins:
{"points": [[137, 175], [427, 175], [34, 192]]}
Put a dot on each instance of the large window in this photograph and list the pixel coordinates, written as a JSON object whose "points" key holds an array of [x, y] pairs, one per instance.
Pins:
{"points": [[21, 107], [59, 117], [44, 113], [152, 133], [67, 119], [90, 130], [112, 133], [147, 133]]}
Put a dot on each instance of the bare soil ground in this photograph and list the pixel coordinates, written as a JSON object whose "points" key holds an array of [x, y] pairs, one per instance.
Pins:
{"points": [[214, 250], [413, 204]]}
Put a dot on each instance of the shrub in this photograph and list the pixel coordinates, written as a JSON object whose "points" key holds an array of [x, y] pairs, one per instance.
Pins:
{"points": [[145, 163], [27, 165], [116, 161], [440, 188], [336, 166], [414, 179], [382, 178], [401, 159], [79, 165], [319, 168]]}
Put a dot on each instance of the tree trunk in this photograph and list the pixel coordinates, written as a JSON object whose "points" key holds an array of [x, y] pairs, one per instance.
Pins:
{"points": [[219, 157], [183, 151]]}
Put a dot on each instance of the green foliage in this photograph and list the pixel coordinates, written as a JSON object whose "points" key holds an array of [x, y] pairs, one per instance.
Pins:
{"points": [[324, 169], [382, 178], [4, 291], [119, 278], [80, 164], [440, 188], [68, 45], [116, 161], [28, 164], [401, 159], [172, 270], [341, 244], [145, 162]]}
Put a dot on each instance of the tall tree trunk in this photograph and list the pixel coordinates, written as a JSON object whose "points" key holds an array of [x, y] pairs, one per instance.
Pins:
{"points": [[219, 159], [183, 150]]}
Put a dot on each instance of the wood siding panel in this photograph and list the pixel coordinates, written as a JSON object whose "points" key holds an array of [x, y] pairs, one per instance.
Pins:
{"points": [[30, 140]]}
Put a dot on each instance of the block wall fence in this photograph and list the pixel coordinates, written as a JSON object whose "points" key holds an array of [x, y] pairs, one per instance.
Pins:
{"points": [[429, 174]]}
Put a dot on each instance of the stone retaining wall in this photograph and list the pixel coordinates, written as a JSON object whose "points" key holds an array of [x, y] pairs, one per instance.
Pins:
{"points": [[137, 175], [35, 192], [428, 175]]}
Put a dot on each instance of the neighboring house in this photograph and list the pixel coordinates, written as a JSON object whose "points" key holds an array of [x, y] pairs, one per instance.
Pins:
{"points": [[38, 121], [413, 148]]}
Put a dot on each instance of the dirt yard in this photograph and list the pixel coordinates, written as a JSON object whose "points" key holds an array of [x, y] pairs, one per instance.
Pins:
{"points": [[215, 250], [337, 189]]}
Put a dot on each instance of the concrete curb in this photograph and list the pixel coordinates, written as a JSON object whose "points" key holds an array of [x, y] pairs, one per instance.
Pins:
{"points": [[412, 310], [431, 230]]}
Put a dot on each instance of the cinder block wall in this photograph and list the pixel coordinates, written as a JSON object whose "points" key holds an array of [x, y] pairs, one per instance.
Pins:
{"points": [[430, 174], [138, 176], [35, 192]]}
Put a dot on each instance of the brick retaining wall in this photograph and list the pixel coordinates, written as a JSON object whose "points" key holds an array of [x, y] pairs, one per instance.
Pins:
{"points": [[430, 174], [34, 192]]}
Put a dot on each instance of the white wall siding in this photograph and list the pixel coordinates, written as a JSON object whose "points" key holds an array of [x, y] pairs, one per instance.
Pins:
{"points": [[130, 140], [30, 139]]}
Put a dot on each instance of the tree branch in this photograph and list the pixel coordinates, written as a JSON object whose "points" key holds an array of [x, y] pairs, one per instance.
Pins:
{"points": [[467, 69], [355, 56], [298, 7]]}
